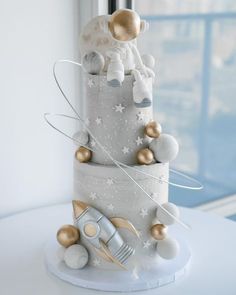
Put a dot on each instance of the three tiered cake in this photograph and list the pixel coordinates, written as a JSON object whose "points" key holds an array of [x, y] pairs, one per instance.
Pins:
{"points": [[121, 168]]}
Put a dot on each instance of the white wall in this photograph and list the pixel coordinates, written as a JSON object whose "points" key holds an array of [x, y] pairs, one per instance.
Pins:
{"points": [[35, 161]]}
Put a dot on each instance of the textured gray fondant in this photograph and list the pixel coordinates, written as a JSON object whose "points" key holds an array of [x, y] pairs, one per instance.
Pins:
{"points": [[108, 189], [118, 124], [115, 120]]}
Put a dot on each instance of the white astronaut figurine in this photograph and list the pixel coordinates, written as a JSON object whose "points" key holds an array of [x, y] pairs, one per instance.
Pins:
{"points": [[108, 44]]}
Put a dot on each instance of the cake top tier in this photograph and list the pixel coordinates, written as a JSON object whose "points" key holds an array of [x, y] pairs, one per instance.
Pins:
{"points": [[119, 93], [117, 123]]}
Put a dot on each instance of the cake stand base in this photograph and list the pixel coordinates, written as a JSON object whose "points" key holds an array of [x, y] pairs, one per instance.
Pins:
{"points": [[120, 281]]}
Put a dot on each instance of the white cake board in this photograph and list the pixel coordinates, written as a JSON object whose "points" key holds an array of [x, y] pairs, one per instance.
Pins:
{"points": [[119, 281]]}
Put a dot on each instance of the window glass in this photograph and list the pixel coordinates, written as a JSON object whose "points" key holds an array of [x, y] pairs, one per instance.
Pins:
{"points": [[194, 44], [163, 7]]}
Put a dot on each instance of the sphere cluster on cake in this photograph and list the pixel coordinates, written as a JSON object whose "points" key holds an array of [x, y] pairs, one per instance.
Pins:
{"points": [[115, 225]]}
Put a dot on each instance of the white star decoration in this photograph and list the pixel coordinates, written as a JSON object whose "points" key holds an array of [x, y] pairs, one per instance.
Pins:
{"points": [[98, 121], [139, 141], [160, 180], [143, 212], [93, 196], [110, 207], [140, 116], [119, 108], [110, 181], [103, 83], [87, 121], [135, 273], [125, 150], [146, 244], [90, 83], [92, 143], [96, 262], [154, 195]]}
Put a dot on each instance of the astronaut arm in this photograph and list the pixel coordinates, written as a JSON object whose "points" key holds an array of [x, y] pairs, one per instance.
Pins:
{"points": [[150, 72], [138, 59]]}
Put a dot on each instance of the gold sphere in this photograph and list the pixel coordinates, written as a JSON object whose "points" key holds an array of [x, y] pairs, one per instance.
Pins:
{"points": [[68, 235], [153, 129], [83, 155], [159, 231], [145, 156], [124, 25]]}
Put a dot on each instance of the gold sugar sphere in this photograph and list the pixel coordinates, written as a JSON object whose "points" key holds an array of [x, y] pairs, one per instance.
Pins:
{"points": [[124, 24], [159, 231], [68, 235], [145, 156], [83, 155], [153, 129]]}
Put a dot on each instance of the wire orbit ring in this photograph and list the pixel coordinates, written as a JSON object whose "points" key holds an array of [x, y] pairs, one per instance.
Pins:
{"points": [[117, 163]]}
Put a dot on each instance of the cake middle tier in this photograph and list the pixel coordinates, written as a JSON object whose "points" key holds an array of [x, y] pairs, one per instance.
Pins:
{"points": [[114, 119]]}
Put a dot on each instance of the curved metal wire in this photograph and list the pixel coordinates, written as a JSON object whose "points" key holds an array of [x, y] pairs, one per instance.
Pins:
{"points": [[117, 163]]}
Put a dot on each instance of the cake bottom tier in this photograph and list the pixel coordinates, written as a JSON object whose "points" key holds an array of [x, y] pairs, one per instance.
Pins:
{"points": [[113, 194]]}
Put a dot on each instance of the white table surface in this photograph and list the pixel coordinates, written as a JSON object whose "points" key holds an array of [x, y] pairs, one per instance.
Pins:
{"points": [[23, 236]]}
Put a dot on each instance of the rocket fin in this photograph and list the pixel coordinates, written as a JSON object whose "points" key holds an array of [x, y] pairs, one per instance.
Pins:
{"points": [[120, 222], [107, 252]]}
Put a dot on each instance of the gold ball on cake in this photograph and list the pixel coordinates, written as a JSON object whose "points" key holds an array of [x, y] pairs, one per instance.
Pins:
{"points": [[124, 24], [159, 231], [153, 129], [68, 235], [83, 155], [145, 156]]}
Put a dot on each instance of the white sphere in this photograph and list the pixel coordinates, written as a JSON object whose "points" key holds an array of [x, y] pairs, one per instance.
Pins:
{"points": [[76, 256], [61, 253], [81, 138], [148, 60], [93, 62], [165, 148], [163, 217], [168, 248]]}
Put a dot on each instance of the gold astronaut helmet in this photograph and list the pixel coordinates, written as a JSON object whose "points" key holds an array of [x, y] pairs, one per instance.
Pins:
{"points": [[125, 25]]}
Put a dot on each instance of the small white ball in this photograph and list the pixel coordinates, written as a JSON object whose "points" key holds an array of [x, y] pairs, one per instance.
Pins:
{"points": [[163, 217], [93, 62], [168, 248], [81, 138], [165, 148], [148, 60], [61, 253], [76, 256]]}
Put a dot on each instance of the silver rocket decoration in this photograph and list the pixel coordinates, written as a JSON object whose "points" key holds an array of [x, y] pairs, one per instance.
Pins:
{"points": [[102, 233]]}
